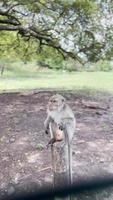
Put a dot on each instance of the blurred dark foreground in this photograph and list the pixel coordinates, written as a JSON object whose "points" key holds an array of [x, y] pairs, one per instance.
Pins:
{"points": [[96, 188]]}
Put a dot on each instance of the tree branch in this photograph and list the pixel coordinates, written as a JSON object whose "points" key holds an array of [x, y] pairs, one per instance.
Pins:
{"points": [[9, 28], [8, 21], [49, 23]]}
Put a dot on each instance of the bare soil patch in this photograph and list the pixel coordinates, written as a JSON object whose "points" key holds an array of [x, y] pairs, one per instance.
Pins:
{"points": [[26, 167]]}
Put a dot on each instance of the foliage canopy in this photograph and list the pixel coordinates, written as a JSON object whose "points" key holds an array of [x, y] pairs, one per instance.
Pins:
{"points": [[80, 29]]}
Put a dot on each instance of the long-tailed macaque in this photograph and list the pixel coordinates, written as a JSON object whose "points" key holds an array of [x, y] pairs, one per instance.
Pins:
{"points": [[60, 119]]}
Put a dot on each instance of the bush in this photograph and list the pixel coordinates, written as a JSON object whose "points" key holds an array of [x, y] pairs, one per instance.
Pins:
{"points": [[102, 65], [105, 66], [71, 65]]}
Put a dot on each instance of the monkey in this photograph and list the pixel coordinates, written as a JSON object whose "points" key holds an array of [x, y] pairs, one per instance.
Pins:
{"points": [[61, 124], [60, 119]]}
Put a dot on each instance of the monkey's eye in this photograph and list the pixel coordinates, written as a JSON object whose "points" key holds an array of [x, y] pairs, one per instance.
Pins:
{"points": [[54, 101]]}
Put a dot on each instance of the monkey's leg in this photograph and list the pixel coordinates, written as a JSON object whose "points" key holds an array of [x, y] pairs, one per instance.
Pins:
{"points": [[51, 142], [59, 135]]}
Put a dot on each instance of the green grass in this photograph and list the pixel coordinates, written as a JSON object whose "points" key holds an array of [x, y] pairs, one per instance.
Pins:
{"points": [[102, 81]]}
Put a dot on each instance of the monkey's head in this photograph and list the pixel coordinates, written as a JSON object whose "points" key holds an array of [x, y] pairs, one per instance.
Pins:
{"points": [[56, 103]]}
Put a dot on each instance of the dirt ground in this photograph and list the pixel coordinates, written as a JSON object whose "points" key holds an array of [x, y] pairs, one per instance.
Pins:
{"points": [[24, 166]]}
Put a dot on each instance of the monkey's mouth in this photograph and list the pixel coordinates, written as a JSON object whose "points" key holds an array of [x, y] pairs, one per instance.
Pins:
{"points": [[53, 108]]}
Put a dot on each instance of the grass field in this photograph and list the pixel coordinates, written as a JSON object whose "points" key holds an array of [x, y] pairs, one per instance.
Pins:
{"points": [[18, 77], [24, 79]]}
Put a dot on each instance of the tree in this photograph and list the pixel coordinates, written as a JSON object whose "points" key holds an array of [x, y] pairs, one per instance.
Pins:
{"points": [[78, 29]]}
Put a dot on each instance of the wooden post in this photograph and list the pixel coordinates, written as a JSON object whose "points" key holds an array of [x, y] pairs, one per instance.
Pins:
{"points": [[62, 166]]}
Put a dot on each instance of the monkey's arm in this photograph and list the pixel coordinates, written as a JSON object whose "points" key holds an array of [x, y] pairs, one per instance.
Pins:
{"points": [[46, 124]]}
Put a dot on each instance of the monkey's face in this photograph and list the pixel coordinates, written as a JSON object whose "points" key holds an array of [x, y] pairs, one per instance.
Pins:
{"points": [[56, 103]]}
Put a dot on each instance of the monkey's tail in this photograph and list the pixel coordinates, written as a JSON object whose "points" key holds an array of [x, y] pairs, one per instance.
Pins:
{"points": [[69, 155]]}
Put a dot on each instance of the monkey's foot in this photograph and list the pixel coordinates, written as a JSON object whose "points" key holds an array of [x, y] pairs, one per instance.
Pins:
{"points": [[51, 142], [49, 145]]}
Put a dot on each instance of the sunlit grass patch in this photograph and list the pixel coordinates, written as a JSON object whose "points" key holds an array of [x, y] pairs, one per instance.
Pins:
{"points": [[57, 79]]}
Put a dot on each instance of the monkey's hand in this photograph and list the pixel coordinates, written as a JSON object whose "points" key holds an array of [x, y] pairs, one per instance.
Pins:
{"points": [[47, 131], [61, 126]]}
